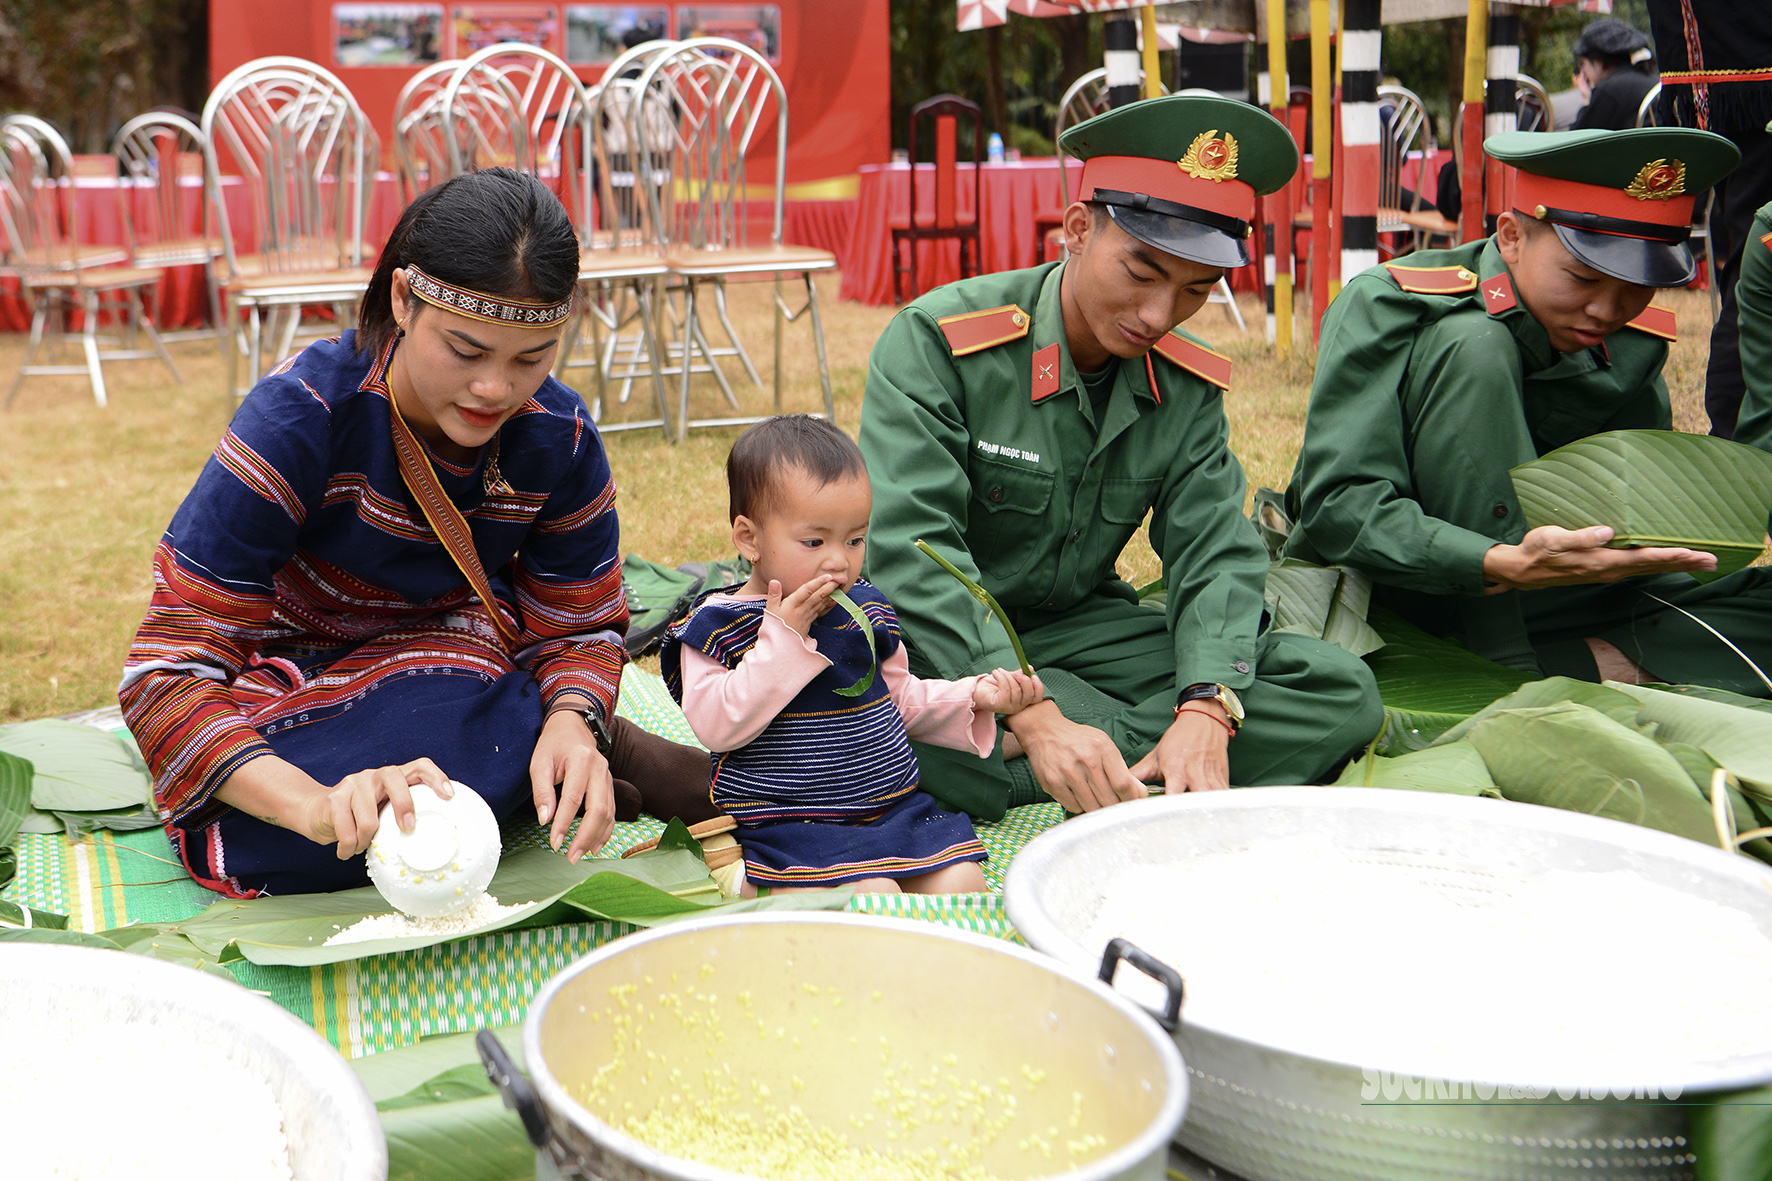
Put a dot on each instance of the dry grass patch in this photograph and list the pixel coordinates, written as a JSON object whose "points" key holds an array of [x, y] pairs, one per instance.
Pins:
{"points": [[89, 491]]}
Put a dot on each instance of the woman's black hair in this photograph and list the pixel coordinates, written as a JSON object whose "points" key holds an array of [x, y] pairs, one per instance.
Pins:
{"points": [[498, 231], [813, 445]]}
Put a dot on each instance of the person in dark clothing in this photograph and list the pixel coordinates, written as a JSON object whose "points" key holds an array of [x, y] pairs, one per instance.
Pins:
{"points": [[1612, 74], [1716, 75]]}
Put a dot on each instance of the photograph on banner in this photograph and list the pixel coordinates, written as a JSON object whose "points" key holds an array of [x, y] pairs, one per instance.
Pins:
{"points": [[757, 26], [387, 34], [475, 26], [596, 34]]}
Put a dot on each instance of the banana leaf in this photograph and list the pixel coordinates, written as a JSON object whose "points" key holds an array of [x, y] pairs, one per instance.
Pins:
{"points": [[867, 629], [1429, 685], [1738, 739], [1575, 757], [443, 1118], [79, 768], [155, 940], [15, 805], [1324, 602], [15, 795], [1706, 693], [12, 914], [1731, 1137], [1656, 488], [1620, 707], [1455, 768], [293, 929]]}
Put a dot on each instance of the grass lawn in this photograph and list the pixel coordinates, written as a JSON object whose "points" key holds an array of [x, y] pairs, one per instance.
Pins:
{"points": [[88, 491]]}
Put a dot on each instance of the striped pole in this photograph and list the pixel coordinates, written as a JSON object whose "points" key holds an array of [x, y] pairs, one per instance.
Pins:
{"points": [[1360, 38], [1279, 205], [1264, 91], [1153, 77], [1119, 37], [1322, 156], [1500, 106], [1470, 172]]}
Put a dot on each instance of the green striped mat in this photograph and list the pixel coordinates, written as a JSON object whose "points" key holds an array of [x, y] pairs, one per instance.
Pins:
{"points": [[381, 1002]]}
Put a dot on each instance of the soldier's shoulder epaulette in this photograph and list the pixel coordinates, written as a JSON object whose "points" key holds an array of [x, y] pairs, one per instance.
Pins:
{"points": [[1656, 322], [971, 332], [1453, 280], [1197, 359]]}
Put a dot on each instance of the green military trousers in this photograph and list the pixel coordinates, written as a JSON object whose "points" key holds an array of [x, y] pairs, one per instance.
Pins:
{"points": [[1110, 663], [1544, 630]]}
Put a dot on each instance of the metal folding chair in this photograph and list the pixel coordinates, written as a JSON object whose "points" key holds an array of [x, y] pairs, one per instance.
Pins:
{"points": [[1406, 131], [421, 151], [716, 94], [621, 268], [39, 209], [520, 106], [306, 153], [160, 157]]}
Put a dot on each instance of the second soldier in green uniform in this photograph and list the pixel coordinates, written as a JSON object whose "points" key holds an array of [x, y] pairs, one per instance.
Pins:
{"points": [[1025, 424], [1441, 372]]}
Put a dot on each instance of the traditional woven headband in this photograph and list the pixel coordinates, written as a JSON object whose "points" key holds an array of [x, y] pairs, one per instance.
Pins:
{"points": [[492, 309]]}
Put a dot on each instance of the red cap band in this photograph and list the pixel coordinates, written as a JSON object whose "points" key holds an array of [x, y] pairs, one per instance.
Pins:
{"points": [[1531, 190], [1164, 179]]}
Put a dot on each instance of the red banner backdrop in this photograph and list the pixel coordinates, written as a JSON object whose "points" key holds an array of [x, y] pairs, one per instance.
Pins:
{"points": [[833, 58]]}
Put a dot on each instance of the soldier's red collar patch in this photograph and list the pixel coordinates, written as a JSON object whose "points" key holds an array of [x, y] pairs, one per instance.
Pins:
{"points": [[1498, 294], [1045, 372]]}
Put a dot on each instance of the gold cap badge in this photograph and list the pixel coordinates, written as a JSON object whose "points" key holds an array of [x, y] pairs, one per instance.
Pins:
{"points": [[1212, 159], [1658, 180]]}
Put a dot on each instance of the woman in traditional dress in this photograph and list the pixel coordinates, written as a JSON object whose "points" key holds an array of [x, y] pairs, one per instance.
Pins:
{"points": [[316, 645]]}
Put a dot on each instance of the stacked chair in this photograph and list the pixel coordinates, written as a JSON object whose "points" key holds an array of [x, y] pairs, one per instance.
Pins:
{"points": [[40, 212], [421, 151], [717, 96], [159, 156], [306, 155]]}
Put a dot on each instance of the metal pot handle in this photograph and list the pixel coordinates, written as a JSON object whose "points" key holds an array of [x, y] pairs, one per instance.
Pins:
{"points": [[1156, 969], [514, 1086]]}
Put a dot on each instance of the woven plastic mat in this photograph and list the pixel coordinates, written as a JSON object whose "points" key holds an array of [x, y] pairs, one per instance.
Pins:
{"points": [[106, 880]]}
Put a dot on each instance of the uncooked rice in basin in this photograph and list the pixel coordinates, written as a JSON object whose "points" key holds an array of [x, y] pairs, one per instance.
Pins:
{"points": [[133, 1101], [1393, 965], [483, 910]]}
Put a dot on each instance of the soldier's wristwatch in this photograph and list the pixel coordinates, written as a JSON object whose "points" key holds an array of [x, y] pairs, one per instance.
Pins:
{"points": [[1224, 695]]}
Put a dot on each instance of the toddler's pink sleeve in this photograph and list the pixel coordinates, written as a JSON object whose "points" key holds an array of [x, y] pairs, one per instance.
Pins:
{"points": [[727, 707], [939, 712]]}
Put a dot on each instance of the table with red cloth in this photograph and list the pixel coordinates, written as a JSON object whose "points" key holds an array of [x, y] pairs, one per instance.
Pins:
{"points": [[181, 300], [1012, 193]]}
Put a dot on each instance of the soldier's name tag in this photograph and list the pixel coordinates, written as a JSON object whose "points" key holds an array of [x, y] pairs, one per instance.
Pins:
{"points": [[1002, 452]]}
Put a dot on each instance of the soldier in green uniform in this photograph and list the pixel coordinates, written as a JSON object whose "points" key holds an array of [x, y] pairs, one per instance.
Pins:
{"points": [[1753, 301], [1439, 373], [1024, 424]]}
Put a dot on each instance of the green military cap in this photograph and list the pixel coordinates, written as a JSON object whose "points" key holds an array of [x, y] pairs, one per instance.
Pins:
{"points": [[1621, 201], [1182, 172]]}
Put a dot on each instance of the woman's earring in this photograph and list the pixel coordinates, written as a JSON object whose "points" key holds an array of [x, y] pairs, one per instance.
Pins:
{"points": [[399, 331]]}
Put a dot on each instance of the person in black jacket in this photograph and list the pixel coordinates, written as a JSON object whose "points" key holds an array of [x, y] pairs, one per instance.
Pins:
{"points": [[1612, 76]]}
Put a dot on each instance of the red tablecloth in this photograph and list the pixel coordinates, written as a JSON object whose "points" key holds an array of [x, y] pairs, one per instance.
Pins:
{"points": [[182, 301], [1011, 193]]}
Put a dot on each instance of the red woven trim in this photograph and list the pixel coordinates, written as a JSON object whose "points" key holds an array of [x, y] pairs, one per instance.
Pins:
{"points": [[477, 305]]}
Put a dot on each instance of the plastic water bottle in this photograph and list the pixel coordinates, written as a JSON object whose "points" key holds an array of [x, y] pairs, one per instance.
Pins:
{"points": [[994, 148]]}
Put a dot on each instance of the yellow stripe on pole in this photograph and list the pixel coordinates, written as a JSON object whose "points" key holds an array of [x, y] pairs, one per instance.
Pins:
{"points": [[1322, 88], [1279, 95], [1476, 63], [1153, 81]]}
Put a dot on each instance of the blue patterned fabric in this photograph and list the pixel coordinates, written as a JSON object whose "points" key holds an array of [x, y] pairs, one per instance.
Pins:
{"points": [[827, 793]]}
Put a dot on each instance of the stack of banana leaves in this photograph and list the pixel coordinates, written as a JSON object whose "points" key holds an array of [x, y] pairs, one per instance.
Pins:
{"points": [[1455, 722]]}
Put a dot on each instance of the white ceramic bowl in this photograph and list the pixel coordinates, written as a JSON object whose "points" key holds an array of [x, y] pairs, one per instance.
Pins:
{"points": [[445, 862]]}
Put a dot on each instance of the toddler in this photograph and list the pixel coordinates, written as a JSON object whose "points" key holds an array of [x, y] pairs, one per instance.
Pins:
{"points": [[824, 785]]}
